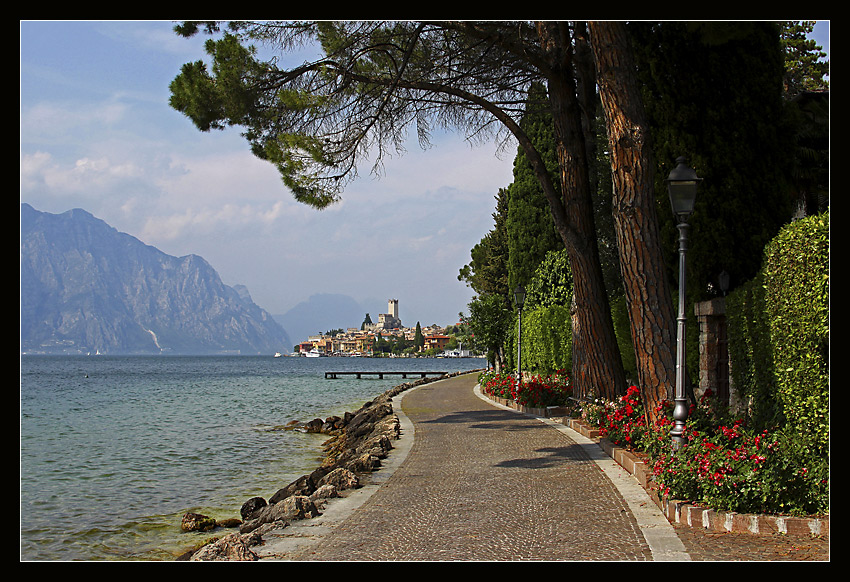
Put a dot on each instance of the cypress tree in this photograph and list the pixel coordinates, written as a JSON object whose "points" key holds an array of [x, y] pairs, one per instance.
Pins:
{"points": [[530, 229]]}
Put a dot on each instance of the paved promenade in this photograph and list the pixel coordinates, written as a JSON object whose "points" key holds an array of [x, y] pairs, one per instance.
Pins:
{"points": [[472, 481]]}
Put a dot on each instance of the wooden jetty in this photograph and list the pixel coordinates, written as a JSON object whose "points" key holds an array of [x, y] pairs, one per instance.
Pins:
{"points": [[381, 375]]}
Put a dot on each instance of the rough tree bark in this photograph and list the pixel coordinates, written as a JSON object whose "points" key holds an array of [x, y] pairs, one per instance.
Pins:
{"points": [[597, 366], [650, 304]]}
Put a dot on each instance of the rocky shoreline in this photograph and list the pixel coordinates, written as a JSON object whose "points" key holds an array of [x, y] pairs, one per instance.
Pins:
{"points": [[358, 442]]}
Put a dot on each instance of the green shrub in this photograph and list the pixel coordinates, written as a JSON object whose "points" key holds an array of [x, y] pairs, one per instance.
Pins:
{"points": [[547, 339], [779, 334], [751, 353], [796, 282], [623, 331]]}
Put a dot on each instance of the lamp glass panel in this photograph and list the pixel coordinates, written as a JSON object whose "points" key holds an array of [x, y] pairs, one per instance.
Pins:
{"points": [[682, 196], [519, 295]]}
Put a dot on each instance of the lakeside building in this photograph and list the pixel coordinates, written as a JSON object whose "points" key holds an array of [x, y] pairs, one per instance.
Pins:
{"points": [[354, 341], [436, 341], [363, 342]]}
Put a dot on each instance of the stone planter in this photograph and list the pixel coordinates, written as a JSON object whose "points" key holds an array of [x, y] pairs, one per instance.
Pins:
{"points": [[581, 428]]}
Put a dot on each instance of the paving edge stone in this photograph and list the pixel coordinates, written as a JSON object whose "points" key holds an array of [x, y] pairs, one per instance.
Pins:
{"points": [[685, 513]]}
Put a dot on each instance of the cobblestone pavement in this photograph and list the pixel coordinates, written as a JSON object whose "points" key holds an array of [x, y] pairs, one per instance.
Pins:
{"points": [[481, 483], [735, 547]]}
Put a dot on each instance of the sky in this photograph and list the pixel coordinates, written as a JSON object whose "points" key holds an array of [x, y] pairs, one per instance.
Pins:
{"points": [[97, 133]]}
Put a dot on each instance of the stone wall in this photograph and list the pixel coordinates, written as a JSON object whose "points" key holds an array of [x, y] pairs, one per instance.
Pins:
{"points": [[714, 364]]}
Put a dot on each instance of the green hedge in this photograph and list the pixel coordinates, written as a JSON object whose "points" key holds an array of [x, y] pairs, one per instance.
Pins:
{"points": [[779, 333], [796, 277], [546, 340], [751, 354], [623, 331]]}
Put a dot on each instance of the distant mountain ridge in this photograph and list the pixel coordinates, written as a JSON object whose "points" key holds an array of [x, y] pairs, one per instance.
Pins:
{"points": [[88, 288], [320, 313]]}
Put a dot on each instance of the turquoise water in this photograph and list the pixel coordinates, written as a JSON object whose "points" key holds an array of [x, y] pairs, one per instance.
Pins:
{"points": [[114, 450]]}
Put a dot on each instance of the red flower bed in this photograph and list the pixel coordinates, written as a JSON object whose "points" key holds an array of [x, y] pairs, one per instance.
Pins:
{"points": [[721, 464], [538, 391]]}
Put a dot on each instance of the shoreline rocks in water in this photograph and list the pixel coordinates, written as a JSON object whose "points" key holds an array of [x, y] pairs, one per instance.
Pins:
{"points": [[358, 443]]}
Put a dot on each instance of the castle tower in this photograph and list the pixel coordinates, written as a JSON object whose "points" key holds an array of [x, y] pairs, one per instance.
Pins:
{"points": [[392, 308]]}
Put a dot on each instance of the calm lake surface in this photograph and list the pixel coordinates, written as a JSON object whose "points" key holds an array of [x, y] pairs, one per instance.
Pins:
{"points": [[114, 450]]}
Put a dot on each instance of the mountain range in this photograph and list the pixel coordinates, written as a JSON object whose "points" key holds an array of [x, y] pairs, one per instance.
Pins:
{"points": [[88, 288], [320, 313]]}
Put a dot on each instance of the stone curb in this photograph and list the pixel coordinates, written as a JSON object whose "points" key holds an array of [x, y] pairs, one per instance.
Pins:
{"points": [[677, 511], [548, 412]]}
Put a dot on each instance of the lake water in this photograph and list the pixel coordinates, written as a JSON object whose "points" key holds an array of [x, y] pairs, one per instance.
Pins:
{"points": [[114, 450]]}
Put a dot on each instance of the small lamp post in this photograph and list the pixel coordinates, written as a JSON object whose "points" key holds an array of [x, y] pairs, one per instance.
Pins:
{"points": [[519, 298], [682, 189], [723, 280]]}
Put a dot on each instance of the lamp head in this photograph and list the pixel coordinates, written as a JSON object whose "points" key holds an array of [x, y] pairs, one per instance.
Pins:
{"points": [[682, 189], [519, 296]]}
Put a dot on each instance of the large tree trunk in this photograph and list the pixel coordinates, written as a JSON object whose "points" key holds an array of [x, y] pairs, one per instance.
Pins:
{"points": [[597, 365], [650, 305]]}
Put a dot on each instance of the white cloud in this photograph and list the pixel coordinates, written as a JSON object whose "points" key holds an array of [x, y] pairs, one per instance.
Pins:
{"points": [[32, 169], [84, 178], [52, 121], [203, 221], [114, 147]]}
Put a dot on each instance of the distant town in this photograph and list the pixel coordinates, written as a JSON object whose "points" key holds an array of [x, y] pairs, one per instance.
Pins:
{"points": [[385, 338]]}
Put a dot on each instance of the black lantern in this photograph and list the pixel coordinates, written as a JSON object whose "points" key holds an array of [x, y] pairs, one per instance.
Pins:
{"points": [[682, 188], [519, 298]]}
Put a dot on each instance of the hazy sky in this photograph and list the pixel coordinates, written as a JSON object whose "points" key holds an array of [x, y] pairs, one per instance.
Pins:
{"points": [[97, 133]]}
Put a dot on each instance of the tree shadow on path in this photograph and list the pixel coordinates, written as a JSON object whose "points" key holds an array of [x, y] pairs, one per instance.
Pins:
{"points": [[498, 420]]}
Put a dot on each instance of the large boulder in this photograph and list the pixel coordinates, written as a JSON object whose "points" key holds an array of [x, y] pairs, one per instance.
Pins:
{"points": [[197, 522], [322, 494], [252, 506], [304, 485], [300, 486], [364, 421], [314, 425], [341, 478], [291, 508], [231, 548]]}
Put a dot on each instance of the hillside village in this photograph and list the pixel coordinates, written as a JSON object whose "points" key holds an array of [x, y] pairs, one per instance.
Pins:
{"points": [[386, 337]]}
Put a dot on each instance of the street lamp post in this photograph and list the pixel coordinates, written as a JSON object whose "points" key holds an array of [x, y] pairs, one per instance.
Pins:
{"points": [[682, 189], [723, 281], [519, 298]]}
